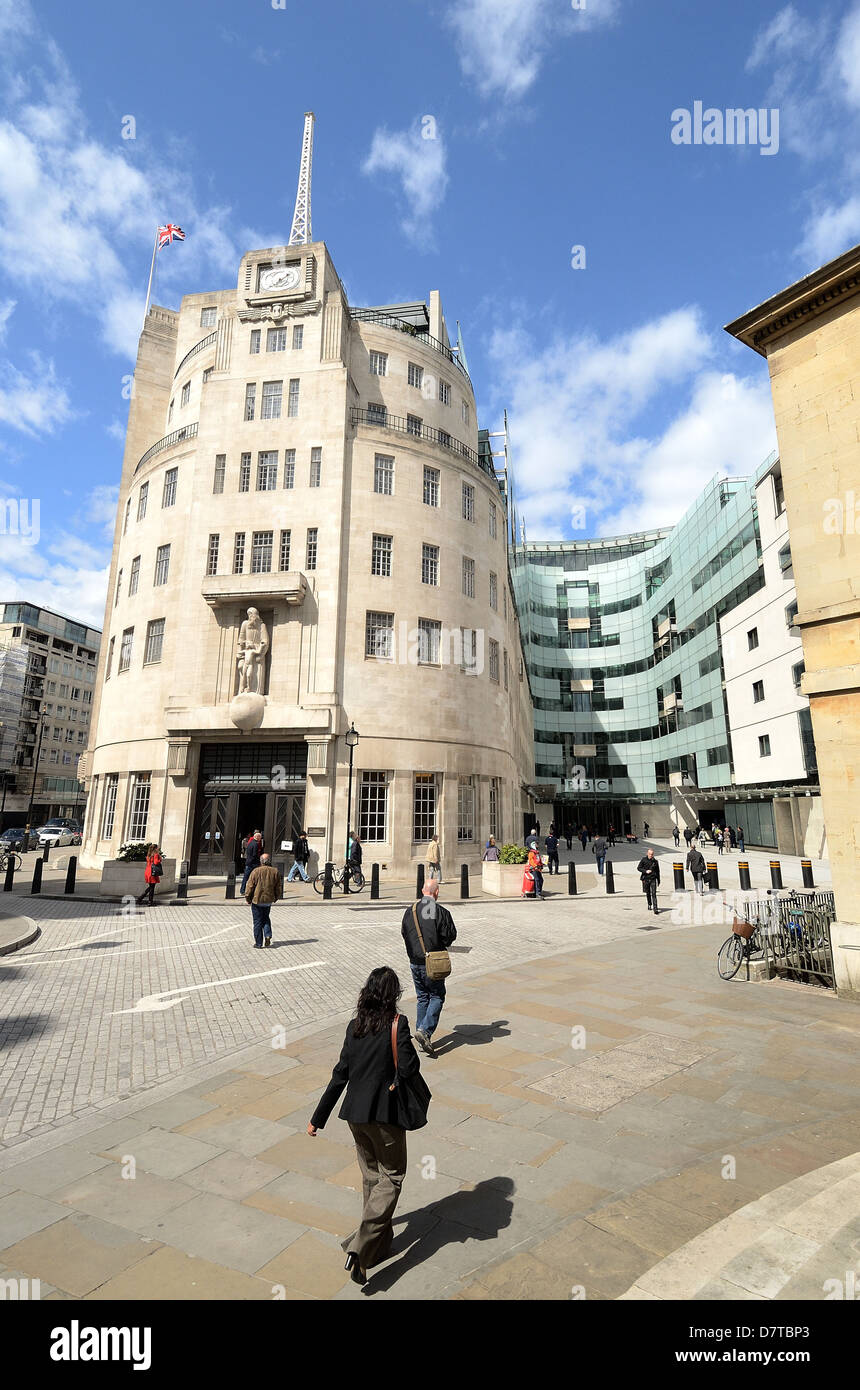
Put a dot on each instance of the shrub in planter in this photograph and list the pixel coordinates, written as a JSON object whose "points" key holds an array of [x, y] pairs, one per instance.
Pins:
{"points": [[134, 852], [513, 854]]}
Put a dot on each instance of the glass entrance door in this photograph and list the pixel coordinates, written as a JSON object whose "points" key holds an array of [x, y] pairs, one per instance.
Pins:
{"points": [[212, 852]]}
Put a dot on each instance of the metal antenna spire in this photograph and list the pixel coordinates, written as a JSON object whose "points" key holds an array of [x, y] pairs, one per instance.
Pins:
{"points": [[301, 233]]}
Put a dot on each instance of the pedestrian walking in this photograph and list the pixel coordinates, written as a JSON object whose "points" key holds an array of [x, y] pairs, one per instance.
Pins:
{"points": [[568, 835], [152, 874], [385, 1097], [688, 835], [611, 835], [676, 835], [649, 872], [428, 930], [703, 839], [731, 830], [718, 841], [253, 850], [551, 844], [583, 836], [301, 855], [353, 862], [434, 859], [491, 853], [645, 827], [698, 868], [265, 886], [727, 840], [598, 849], [740, 835]]}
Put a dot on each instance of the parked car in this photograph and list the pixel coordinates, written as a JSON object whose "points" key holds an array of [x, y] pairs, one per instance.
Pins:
{"points": [[16, 839], [57, 832]]}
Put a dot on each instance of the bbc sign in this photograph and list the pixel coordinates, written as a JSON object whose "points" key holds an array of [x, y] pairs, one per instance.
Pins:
{"points": [[588, 784]]}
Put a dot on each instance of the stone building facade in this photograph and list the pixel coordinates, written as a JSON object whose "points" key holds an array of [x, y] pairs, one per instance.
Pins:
{"points": [[307, 539]]}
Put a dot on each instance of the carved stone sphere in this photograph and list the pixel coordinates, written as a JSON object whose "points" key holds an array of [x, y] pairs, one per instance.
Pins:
{"points": [[246, 711]]}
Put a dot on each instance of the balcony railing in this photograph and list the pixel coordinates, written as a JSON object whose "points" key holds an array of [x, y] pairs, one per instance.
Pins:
{"points": [[412, 330], [186, 432], [198, 347], [402, 425]]}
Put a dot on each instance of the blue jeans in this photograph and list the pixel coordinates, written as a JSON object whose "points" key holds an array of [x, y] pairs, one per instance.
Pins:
{"points": [[600, 860], [431, 997], [249, 869], [261, 912], [297, 868]]}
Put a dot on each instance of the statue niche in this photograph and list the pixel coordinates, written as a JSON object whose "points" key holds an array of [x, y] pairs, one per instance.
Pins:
{"points": [[251, 657]]}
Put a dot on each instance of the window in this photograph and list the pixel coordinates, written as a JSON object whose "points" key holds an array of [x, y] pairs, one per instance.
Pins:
{"points": [[212, 555], [141, 501], [494, 806], [154, 641], [245, 473], [444, 392], [445, 438], [316, 467], [758, 692], [415, 425], [293, 406], [494, 592], [431, 486], [127, 515], [429, 564], [162, 565], [255, 341], [494, 660], [298, 336], [380, 556], [465, 412], [468, 577], [415, 375], [267, 470], [752, 638], [469, 651], [186, 394], [790, 615], [276, 340], [429, 642], [250, 400], [208, 317], [139, 807], [220, 472], [379, 636], [465, 810], [505, 667], [125, 649], [373, 806], [109, 659], [118, 587], [261, 552], [383, 474], [376, 414], [764, 745], [423, 806], [109, 805], [168, 496], [289, 468], [379, 364], [238, 552], [284, 551], [784, 558], [134, 576], [170, 413], [468, 502], [311, 548], [270, 408], [797, 674]]}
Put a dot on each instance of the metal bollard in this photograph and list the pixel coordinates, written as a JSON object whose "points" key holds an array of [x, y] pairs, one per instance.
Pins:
{"points": [[230, 892], [71, 871], [36, 885], [571, 878], [610, 877], [775, 874], [419, 881], [10, 875], [744, 875], [464, 880], [374, 880], [678, 871], [713, 878], [327, 879], [181, 899], [806, 870], [45, 852]]}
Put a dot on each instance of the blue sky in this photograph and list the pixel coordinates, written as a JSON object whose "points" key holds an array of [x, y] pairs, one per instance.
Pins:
{"points": [[553, 129]]}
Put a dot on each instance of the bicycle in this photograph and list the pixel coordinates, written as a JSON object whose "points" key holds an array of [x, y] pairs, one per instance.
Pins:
{"points": [[737, 948], [10, 855], [355, 877]]}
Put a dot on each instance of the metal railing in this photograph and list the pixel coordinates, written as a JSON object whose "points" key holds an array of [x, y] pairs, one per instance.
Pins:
{"points": [[186, 432], [402, 425], [795, 930], [412, 330], [198, 347]]}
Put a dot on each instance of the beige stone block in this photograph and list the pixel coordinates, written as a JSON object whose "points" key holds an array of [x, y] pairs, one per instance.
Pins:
{"points": [[309, 1267], [172, 1276]]}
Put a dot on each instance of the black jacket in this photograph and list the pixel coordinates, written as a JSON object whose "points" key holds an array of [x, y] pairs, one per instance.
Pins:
{"points": [[252, 853], [354, 852], [437, 928], [366, 1068], [301, 850], [648, 869], [696, 864]]}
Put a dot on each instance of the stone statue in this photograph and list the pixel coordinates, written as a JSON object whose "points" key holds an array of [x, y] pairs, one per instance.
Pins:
{"points": [[253, 645]]}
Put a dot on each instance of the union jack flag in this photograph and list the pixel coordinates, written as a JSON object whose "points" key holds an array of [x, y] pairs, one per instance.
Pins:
{"points": [[169, 233]]}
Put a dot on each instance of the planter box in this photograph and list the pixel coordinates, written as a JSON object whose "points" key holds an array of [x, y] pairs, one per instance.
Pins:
{"points": [[503, 880], [121, 879]]}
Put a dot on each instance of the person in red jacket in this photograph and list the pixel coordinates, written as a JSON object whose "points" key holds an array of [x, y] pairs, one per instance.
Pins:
{"points": [[152, 874]]}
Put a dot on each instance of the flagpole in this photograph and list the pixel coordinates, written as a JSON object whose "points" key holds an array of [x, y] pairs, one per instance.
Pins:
{"points": [[149, 286]]}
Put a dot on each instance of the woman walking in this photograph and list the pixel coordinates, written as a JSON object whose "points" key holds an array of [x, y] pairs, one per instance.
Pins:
{"points": [[491, 853], [371, 1069], [152, 874]]}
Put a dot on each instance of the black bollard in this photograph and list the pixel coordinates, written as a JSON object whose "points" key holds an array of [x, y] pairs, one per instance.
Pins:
{"points": [[744, 875], [610, 877], [419, 881], [36, 885], [571, 878], [775, 874], [70, 874], [231, 883], [464, 880], [327, 879], [806, 870], [45, 851], [713, 878], [374, 880], [181, 899], [10, 875], [678, 871]]}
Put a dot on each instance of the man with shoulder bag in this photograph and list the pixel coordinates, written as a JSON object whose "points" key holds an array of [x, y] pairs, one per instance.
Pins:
{"points": [[428, 930]]}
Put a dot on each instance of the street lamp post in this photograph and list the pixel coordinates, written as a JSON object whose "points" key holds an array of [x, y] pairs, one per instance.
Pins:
{"points": [[42, 712], [352, 744]]}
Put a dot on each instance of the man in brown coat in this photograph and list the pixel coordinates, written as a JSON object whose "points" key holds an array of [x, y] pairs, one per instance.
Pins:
{"points": [[264, 887]]}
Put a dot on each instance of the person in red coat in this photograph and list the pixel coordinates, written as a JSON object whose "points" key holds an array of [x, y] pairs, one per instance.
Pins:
{"points": [[152, 874]]}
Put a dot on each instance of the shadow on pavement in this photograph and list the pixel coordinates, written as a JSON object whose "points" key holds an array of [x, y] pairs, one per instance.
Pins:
{"points": [[22, 1026], [472, 1035], [476, 1215]]}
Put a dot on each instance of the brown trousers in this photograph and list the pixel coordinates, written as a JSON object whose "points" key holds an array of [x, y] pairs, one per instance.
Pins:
{"points": [[381, 1151]]}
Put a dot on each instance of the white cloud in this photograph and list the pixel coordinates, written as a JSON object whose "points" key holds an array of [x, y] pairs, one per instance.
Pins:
{"points": [[99, 509], [502, 43], [420, 166], [34, 404], [848, 56], [830, 231], [72, 580], [7, 308]]}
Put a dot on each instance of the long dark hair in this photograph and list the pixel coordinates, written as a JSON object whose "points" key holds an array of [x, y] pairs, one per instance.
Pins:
{"points": [[377, 1002]]}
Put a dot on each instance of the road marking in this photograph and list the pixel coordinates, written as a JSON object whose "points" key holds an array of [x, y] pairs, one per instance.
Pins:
{"points": [[135, 951], [149, 1003]]}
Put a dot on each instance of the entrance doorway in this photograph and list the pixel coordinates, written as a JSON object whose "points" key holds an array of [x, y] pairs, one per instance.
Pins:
{"points": [[242, 788], [250, 816]]}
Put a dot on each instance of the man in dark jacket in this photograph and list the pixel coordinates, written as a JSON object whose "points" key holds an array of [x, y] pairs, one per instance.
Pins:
{"points": [[301, 855], [265, 887], [438, 931], [551, 843], [649, 871], [688, 835], [697, 867], [598, 849], [253, 849]]}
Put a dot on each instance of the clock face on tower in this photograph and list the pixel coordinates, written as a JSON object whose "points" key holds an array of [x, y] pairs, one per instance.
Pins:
{"points": [[279, 277]]}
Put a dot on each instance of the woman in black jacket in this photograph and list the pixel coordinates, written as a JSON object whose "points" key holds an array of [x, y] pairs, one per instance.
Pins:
{"points": [[366, 1069]]}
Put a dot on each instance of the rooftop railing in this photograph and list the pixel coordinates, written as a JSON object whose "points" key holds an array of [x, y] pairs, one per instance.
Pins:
{"points": [[413, 330], [186, 432], [405, 425], [198, 347]]}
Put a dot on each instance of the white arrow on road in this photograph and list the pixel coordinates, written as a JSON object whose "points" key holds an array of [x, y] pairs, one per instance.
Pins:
{"points": [[151, 1003]]}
